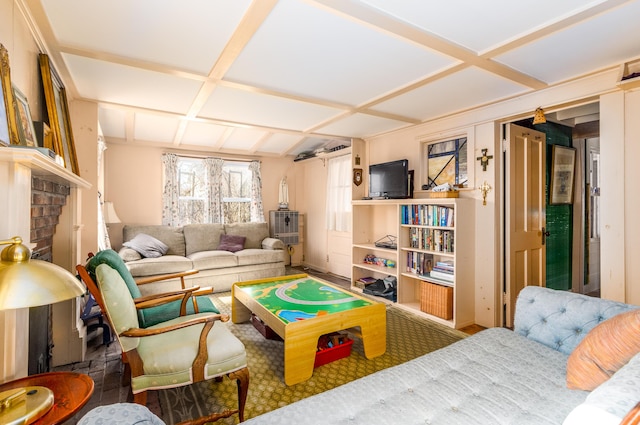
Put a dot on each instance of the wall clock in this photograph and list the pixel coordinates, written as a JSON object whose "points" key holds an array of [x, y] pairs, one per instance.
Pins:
{"points": [[357, 176]]}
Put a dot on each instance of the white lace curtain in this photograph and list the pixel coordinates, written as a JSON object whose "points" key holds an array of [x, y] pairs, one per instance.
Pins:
{"points": [[257, 212], [215, 205], [213, 167], [339, 194], [171, 192], [104, 242]]}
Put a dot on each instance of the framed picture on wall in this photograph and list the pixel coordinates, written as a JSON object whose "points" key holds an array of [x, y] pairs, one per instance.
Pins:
{"points": [[563, 165], [55, 98], [26, 128], [8, 125]]}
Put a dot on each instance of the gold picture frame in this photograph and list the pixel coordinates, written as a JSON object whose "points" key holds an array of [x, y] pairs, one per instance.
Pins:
{"points": [[563, 165], [8, 123], [26, 129], [58, 113]]}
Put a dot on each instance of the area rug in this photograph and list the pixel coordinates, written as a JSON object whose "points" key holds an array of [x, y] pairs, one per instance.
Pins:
{"points": [[408, 336]]}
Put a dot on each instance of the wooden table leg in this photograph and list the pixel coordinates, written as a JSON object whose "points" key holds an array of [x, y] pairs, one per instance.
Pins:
{"points": [[374, 332], [299, 356], [239, 312]]}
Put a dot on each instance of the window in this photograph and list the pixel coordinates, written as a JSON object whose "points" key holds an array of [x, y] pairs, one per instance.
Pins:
{"points": [[236, 192], [211, 191], [446, 162], [192, 183], [339, 194]]}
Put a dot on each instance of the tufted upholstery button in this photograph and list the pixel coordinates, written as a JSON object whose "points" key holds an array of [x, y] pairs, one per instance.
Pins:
{"points": [[454, 408], [543, 321], [578, 331], [563, 310], [381, 401]]}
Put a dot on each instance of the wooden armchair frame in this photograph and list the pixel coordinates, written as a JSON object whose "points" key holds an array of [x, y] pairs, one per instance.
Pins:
{"points": [[134, 365]]}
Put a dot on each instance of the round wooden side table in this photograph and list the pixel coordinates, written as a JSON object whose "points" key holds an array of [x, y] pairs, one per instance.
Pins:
{"points": [[71, 391]]}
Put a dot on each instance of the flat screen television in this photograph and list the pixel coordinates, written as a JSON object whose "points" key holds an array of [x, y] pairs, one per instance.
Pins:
{"points": [[389, 180]]}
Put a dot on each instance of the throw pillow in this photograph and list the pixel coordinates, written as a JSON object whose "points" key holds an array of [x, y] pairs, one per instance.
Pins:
{"points": [[231, 243], [604, 350], [147, 246], [128, 254]]}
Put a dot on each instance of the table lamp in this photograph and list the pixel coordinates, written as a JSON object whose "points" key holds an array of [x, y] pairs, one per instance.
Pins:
{"points": [[29, 283], [110, 216]]}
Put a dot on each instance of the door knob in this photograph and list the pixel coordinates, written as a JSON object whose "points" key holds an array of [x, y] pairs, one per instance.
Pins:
{"points": [[545, 235]]}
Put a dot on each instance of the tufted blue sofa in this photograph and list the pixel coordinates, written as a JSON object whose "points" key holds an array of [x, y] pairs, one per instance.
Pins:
{"points": [[496, 376]]}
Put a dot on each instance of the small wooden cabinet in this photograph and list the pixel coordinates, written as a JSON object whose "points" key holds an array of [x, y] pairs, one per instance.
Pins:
{"points": [[434, 261]]}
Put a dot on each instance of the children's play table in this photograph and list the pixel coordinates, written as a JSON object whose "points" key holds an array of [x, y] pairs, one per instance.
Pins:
{"points": [[300, 309]]}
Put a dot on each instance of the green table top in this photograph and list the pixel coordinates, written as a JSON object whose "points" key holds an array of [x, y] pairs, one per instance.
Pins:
{"points": [[300, 299]]}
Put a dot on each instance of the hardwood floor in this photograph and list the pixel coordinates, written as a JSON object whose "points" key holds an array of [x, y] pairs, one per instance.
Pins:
{"points": [[472, 329]]}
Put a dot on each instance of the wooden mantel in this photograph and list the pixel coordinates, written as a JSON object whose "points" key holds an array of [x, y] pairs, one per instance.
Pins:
{"points": [[42, 165], [17, 167]]}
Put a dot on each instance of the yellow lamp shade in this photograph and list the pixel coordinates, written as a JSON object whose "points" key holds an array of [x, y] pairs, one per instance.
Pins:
{"points": [[29, 283]]}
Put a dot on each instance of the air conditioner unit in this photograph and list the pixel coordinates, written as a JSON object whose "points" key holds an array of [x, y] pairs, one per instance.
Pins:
{"points": [[284, 226]]}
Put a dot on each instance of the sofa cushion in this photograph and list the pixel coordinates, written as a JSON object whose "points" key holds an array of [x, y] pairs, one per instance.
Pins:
{"points": [[248, 257], [231, 243], [173, 237], [202, 237], [253, 232], [206, 260], [115, 293], [147, 246], [541, 315], [128, 254], [161, 265], [604, 350]]}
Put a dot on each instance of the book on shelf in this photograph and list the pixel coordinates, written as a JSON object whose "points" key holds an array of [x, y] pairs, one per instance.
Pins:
{"points": [[428, 215], [441, 275], [367, 280]]}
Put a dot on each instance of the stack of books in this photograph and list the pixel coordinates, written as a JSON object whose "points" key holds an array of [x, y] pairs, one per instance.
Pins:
{"points": [[364, 281], [443, 270]]}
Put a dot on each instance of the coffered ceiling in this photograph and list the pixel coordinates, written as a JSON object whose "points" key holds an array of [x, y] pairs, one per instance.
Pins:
{"points": [[281, 77]]}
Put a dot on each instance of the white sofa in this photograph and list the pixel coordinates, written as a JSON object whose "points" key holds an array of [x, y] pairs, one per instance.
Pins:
{"points": [[195, 246]]}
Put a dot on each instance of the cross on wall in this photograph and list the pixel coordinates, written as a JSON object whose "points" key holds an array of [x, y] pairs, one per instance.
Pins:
{"points": [[484, 159]]}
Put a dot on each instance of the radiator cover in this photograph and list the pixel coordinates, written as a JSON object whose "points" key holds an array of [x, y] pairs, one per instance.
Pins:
{"points": [[283, 224]]}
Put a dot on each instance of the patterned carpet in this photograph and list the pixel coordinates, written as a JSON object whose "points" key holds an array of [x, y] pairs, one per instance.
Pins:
{"points": [[408, 337]]}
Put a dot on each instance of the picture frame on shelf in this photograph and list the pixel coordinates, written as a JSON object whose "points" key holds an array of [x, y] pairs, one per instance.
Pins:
{"points": [[26, 129], [58, 114], [563, 164], [8, 125]]}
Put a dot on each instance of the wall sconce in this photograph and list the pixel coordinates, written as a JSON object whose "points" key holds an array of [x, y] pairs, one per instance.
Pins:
{"points": [[538, 117], [485, 188]]}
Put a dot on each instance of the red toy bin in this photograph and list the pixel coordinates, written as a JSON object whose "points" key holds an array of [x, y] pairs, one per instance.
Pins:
{"points": [[337, 352]]}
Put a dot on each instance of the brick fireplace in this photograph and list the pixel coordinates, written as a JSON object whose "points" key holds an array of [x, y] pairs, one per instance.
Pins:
{"points": [[47, 200], [41, 202]]}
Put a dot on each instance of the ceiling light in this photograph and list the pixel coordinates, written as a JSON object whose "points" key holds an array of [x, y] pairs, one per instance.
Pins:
{"points": [[538, 117]]}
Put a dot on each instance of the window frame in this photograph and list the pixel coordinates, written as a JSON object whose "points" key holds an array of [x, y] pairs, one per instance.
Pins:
{"points": [[426, 141]]}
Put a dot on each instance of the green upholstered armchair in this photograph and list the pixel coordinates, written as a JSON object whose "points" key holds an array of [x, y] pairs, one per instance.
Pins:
{"points": [[174, 353], [149, 316]]}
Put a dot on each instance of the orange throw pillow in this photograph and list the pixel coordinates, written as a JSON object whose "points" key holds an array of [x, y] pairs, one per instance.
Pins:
{"points": [[604, 350]]}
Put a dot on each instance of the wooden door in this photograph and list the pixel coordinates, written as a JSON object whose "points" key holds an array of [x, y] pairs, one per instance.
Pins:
{"points": [[525, 215]]}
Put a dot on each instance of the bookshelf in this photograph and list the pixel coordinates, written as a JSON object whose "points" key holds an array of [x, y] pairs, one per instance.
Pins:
{"points": [[434, 259]]}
